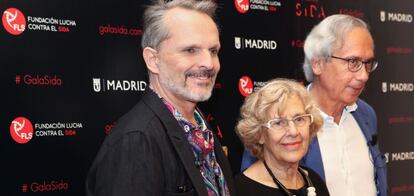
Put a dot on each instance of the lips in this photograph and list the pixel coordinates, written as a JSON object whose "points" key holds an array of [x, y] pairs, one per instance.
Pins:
{"points": [[202, 77], [356, 89], [292, 145]]}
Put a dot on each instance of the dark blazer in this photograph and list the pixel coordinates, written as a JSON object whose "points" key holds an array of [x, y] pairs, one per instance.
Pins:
{"points": [[147, 153], [367, 121]]}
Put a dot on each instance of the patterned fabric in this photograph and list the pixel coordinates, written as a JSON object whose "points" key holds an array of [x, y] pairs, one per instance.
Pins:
{"points": [[202, 142]]}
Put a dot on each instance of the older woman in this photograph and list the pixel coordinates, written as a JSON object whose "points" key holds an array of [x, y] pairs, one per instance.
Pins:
{"points": [[277, 123]]}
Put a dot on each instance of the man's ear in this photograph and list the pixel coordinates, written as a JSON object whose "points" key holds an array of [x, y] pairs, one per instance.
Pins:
{"points": [[317, 66], [150, 58]]}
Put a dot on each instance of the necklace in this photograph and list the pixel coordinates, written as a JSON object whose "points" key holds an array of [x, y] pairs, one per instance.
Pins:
{"points": [[311, 189]]}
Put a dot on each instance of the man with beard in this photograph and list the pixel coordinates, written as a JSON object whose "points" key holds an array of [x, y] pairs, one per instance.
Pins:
{"points": [[163, 146]]}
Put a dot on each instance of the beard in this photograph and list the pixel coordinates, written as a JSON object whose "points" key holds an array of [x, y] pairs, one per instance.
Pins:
{"points": [[187, 92]]}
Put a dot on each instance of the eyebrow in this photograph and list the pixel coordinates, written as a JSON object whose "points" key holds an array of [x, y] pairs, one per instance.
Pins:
{"points": [[295, 115], [360, 58]]}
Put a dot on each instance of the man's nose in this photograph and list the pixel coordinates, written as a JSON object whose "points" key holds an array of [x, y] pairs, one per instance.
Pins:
{"points": [[363, 74], [206, 59]]}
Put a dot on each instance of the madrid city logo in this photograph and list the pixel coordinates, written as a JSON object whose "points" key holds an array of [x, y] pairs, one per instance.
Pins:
{"points": [[396, 17], [247, 43], [100, 85], [397, 87], [14, 21]]}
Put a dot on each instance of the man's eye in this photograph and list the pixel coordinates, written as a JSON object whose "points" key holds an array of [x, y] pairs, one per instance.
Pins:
{"points": [[190, 50], [353, 61], [214, 51]]}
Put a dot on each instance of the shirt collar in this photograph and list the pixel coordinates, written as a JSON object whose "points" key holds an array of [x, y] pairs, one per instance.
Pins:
{"points": [[177, 114]]}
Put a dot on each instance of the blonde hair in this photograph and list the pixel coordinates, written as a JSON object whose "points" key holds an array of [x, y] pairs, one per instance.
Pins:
{"points": [[253, 113]]}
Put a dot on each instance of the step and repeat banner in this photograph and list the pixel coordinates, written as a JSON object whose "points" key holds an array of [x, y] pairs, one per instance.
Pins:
{"points": [[69, 70]]}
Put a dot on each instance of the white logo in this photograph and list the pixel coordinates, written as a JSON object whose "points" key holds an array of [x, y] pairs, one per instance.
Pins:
{"points": [[237, 42], [242, 43], [96, 84], [384, 87], [382, 16], [401, 87], [397, 87], [100, 84], [17, 126], [402, 156], [395, 17], [386, 155]]}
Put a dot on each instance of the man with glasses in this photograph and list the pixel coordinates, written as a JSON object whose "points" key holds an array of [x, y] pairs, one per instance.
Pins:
{"points": [[339, 56]]}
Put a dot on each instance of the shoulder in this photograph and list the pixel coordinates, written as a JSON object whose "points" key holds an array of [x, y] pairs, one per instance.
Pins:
{"points": [[142, 121], [247, 186], [364, 107]]}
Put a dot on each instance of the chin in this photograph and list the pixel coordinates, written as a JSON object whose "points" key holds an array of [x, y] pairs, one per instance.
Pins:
{"points": [[198, 97], [294, 158]]}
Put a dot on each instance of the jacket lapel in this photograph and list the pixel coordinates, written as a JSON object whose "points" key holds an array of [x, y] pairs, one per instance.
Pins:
{"points": [[313, 158], [362, 122], [178, 139]]}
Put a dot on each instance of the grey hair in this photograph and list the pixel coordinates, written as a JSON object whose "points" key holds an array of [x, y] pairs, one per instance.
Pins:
{"points": [[155, 31], [326, 37]]}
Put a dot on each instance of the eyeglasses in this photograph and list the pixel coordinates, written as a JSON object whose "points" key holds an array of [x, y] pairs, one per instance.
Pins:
{"points": [[355, 64], [283, 123]]}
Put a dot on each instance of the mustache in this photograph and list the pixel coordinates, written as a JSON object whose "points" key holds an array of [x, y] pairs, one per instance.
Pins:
{"points": [[201, 73]]}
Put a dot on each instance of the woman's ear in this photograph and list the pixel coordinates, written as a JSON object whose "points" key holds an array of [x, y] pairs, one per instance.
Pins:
{"points": [[151, 59], [261, 137]]}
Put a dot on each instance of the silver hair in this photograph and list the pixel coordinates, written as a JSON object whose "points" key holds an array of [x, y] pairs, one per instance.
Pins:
{"points": [[326, 37], [155, 31]]}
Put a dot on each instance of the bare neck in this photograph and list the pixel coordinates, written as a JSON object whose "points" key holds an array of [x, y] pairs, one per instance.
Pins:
{"points": [[286, 173], [324, 103]]}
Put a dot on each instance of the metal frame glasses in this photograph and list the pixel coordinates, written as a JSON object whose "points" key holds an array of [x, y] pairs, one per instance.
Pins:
{"points": [[283, 123], [355, 64]]}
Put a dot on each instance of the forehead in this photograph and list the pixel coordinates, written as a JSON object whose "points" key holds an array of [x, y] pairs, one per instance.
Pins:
{"points": [[190, 26], [291, 106], [357, 42]]}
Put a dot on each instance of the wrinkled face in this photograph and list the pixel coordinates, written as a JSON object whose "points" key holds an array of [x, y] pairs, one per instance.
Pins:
{"points": [[291, 144], [340, 84], [188, 60]]}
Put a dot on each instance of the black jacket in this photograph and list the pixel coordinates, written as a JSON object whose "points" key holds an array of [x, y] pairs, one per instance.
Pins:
{"points": [[148, 154]]}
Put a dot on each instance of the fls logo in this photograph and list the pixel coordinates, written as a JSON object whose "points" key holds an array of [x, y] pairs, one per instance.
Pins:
{"points": [[242, 6], [21, 130], [14, 21], [245, 86]]}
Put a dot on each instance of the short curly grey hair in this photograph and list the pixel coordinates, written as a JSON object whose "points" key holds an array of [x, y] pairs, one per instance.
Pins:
{"points": [[156, 31], [326, 37], [253, 113]]}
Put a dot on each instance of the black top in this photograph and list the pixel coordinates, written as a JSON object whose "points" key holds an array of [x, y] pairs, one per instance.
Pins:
{"points": [[147, 153], [248, 187]]}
